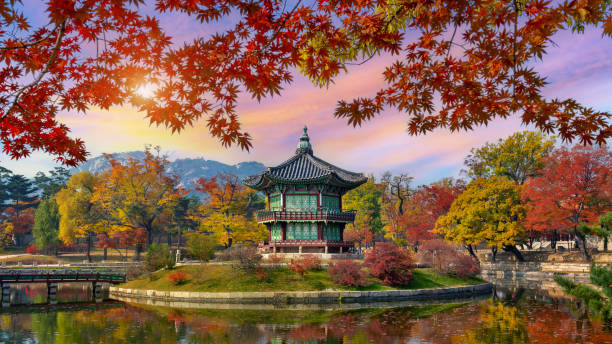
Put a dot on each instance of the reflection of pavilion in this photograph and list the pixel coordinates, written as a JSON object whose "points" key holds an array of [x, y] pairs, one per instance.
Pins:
{"points": [[304, 211]]}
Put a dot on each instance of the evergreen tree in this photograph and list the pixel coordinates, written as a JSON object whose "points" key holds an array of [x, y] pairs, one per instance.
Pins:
{"points": [[46, 225], [51, 184], [21, 192], [4, 196]]}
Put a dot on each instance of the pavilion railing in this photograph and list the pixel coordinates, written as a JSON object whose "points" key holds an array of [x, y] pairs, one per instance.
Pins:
{"points": [[306, 215]]}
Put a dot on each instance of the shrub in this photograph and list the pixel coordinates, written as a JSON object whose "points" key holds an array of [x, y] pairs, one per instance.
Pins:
{"points": [[248, 258], [158, 257], [275, 259], [32, 249], [347, 273], [390, 264], [201, 246], [262, 275], [444, 258], [134, 272], [305, 263], [177, 277]]}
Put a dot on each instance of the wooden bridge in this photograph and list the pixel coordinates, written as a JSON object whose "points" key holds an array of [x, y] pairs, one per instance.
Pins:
{"points": [[53, 277]]}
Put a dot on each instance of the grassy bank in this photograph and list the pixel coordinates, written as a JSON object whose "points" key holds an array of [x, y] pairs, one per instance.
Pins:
{"points": [[215, 278]]}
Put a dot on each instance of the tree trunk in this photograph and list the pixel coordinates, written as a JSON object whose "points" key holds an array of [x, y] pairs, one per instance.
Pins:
{"points": [[137, 253], [471, 251], [180, 237], [606, 244], [89, 247], [169, 240], [105, 253], [493, 254], [582, 244], [512, 249]]}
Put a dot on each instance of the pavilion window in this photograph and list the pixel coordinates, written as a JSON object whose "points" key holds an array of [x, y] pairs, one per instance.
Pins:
{"points": [[276, 232], [275, 202]]}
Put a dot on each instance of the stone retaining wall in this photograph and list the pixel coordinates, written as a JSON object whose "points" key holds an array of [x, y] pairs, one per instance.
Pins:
{"points": [[533, 272], [306, 297]]}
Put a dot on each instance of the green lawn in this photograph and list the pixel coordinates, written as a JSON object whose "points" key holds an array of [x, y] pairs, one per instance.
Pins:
{"points": [[215, 278]]}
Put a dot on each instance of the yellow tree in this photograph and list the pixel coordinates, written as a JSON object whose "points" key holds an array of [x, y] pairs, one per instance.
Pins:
{"points": [[489, 210], [138, 194], [79, 215], [227, 210]]}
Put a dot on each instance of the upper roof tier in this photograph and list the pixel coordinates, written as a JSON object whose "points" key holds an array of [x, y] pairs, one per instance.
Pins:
{"points": [[305, 168]]}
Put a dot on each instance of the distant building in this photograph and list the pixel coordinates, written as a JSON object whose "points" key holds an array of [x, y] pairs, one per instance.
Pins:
{"points": [[304, 203]]}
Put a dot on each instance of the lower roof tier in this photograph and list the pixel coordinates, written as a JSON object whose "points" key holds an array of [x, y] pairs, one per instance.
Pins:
{"points": [[327, 215]]}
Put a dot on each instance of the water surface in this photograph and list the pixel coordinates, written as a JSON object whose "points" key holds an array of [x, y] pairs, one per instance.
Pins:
{"points": [[511, 316]]}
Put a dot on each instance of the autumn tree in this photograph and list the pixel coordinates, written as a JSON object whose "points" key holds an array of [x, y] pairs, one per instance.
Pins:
{"points": [[572, 190], [459, 64], [426, 204], [366, 200], [226, 210], [518, 157], [138, 194], [397, 191], [80, 217], [490, 210]]}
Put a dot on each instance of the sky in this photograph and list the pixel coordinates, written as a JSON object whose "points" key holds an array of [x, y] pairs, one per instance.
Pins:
{"points": [[579, 66]]}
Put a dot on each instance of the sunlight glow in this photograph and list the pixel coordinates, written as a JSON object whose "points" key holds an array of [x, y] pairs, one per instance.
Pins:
{"points": [[146, 90]]}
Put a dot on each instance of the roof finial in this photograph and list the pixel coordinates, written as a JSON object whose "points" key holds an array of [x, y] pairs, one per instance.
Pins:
{"points": [[304, 146]]}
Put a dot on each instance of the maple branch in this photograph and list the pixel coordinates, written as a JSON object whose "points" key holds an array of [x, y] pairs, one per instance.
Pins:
{"points": [[31, 44], [54, 54], [516, 10], [450, 43]]}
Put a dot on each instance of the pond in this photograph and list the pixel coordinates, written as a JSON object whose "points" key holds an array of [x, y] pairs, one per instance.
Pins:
{"points": [[508, 317]]}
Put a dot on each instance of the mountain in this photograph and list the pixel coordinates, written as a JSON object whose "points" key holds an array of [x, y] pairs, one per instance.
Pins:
{"points": [[188, 170]]}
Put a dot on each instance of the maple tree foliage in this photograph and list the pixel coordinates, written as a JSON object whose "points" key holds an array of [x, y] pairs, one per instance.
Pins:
{"points": [[474, 58], [426, 205], [573, 189]]}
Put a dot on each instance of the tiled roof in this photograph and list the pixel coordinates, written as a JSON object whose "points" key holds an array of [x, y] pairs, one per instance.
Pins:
{"points": [[304, 166]]}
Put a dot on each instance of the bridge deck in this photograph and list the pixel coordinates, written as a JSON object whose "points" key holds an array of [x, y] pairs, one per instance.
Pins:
{"points": [[45, 276]]}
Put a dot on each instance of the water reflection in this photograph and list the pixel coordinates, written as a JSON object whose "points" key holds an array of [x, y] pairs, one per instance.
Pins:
{"points": [[514, 317]]}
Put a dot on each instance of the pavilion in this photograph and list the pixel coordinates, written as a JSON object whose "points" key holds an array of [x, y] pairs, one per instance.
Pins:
{"points": [[304, 203]]}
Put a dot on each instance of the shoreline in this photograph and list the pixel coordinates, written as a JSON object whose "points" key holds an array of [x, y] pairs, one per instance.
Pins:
{"points": [[295, 297]]}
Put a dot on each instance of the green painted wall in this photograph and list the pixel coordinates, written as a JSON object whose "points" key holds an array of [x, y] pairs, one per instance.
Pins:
{"points": [[301, 202], [331, 232], [302, 231]]}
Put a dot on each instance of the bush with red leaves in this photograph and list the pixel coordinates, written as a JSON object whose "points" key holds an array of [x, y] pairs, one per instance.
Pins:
{"points": [[444, 258], [390, 264], [177, 277], [347, 273], [32, 249], [305, 263]]}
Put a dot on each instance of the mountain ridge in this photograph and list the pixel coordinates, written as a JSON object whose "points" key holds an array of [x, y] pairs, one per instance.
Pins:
{"points": [[187, 169]]}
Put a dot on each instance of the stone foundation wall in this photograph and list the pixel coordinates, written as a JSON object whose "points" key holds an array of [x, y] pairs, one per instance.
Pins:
{"points": [[306, 297], [532, 275]]}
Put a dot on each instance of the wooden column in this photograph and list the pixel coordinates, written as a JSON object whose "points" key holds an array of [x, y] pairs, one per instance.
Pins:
{"points": [[52, 293], [6, 294], [320, 231], [284, 229], [342, 231], [269, 232]]}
